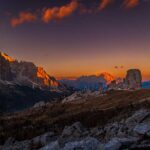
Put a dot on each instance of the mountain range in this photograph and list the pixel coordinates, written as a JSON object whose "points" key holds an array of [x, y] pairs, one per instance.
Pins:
{"points": [[91, 82], [26, 73], [146, 85], [22, 84]]}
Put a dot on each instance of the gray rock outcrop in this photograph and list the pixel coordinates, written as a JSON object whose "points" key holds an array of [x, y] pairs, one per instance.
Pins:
{"points": [[26, 73], [135, 131], [133, 79]]}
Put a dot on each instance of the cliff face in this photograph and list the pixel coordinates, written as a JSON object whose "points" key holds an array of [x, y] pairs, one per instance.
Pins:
{"points": [[5, 69], [132, 81], [25, 73]]}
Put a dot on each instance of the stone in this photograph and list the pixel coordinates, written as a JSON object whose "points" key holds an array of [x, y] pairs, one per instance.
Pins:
{"points": [[23, 145], [9, 141], [113, 144], [85, 144], [39, 104], [140, 147], [136, 118], [127, 141], [51, 146], [96, 131], [75, 130], [142, 128], [148, 133], [44, 139]]}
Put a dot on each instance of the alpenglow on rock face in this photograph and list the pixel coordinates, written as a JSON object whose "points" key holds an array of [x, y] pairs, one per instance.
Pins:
{"points": [[25, 73], [91, 82], [5, 70], [133, 79]]}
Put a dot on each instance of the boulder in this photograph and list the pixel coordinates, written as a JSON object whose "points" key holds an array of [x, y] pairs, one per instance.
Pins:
{"points": [[39, 104], [52, 146], [23, 145], [85, 144], [44, 139], [127, 141], [142, 128], [136, 118], [113, 144], [140, 147], [9, 141], [75, 130]]}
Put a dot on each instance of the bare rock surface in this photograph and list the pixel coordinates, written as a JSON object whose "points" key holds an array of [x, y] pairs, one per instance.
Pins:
{"points": [[130, 133], [133, 79], [5, 69], [52, 146], [26, 73], [39, 104]]}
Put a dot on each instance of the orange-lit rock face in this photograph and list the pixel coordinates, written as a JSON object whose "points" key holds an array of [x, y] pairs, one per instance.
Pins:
{"points": [[54, 83], [5, 70], [108, 77], [26, 73], [7, 57], [47, 81], [43, 75]]}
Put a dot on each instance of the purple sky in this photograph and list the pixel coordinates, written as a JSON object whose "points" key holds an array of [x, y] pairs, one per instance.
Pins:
{"points": [[77, 37]]}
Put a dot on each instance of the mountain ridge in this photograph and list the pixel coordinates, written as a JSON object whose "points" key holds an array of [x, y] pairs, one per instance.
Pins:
{"points": [[22, 84], [26, 73], [90, 82]]}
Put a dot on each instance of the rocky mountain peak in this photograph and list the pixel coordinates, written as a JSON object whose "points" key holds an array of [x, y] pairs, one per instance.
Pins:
{"points": [[6, 57], [25, 73], [107, 76], [5, 69], [133, 79]]}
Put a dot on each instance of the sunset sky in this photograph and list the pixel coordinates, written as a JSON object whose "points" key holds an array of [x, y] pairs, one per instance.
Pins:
{"points": [[78, 37]]}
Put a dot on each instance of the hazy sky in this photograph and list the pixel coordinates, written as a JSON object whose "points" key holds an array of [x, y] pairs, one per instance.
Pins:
{"points": [[78, 37]]}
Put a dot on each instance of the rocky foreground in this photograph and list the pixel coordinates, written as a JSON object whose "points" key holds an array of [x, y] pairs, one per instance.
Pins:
{"points": [[111, 123], [131, 133]]}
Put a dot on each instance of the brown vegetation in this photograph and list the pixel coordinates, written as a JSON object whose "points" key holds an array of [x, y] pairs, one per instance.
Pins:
{"points": [[53, 117]]}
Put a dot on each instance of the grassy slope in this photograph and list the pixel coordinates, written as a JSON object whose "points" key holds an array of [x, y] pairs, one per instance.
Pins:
{"points": [[96, 111]]}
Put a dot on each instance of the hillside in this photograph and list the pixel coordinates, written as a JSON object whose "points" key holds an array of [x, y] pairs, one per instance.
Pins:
{"points": [[22, 84], [115, 105]]}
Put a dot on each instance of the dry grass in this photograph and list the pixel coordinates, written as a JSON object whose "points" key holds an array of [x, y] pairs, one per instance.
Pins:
{"points": [[53, 117]]}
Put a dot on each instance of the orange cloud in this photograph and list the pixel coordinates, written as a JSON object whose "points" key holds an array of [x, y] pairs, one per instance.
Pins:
{"points": [[22, 18], [104, 4], [60, 12], [130, 3]]}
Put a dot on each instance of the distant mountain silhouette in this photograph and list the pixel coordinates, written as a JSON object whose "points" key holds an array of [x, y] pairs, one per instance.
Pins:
{"points": [[92, 82]]}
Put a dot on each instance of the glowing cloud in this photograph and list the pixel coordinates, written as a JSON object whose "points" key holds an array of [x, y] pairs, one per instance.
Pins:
{"points": [[60, 12], [130, 3], [22, 18], [104, 4]]}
